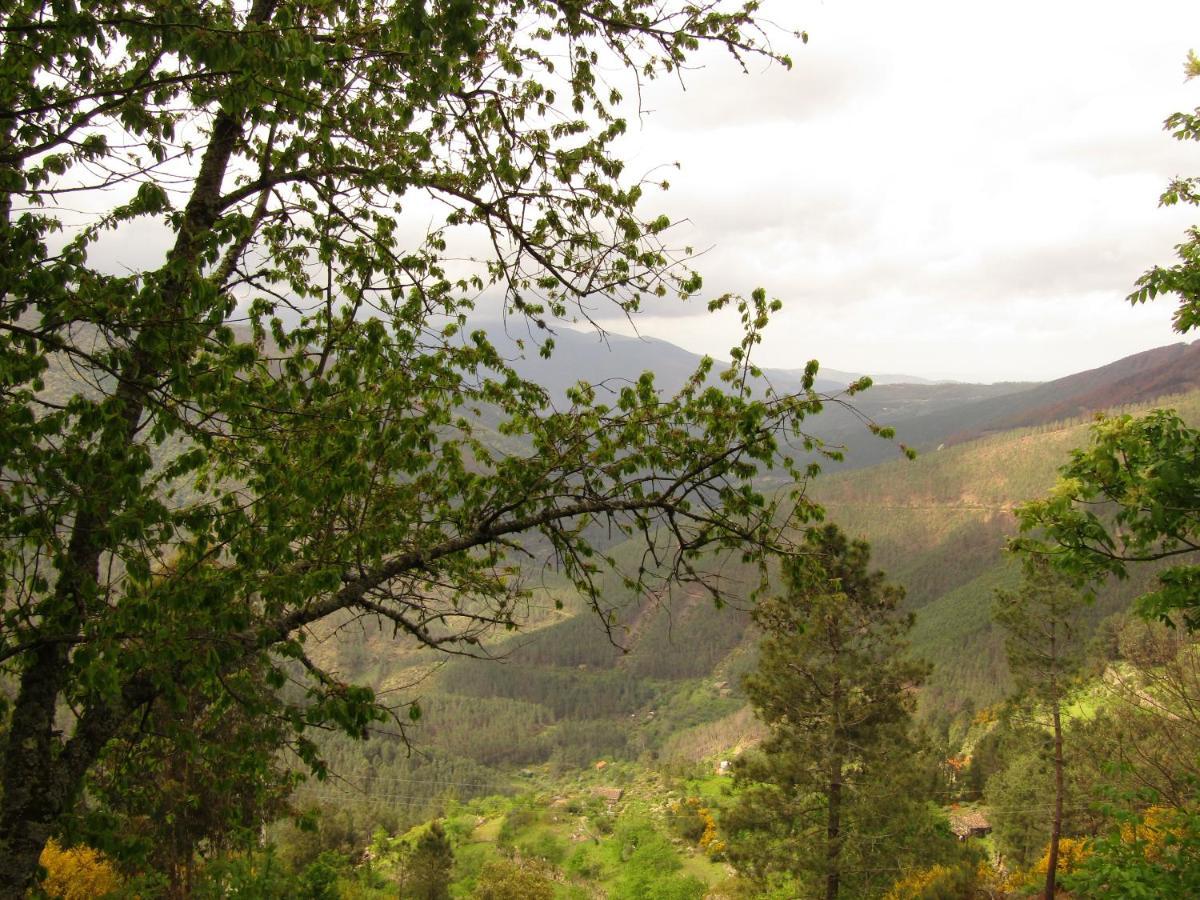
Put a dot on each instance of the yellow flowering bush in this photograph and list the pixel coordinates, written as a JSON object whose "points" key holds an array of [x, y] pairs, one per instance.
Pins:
{"points": [[1071, 852], [77, 873]]}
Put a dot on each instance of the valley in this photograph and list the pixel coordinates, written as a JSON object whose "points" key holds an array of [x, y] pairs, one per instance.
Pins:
{"points": [[657, 692]]}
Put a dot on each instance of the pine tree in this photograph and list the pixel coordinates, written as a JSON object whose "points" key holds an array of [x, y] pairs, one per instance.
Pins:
{"points": [[831, 798], [427, 866], [1044, 647]]}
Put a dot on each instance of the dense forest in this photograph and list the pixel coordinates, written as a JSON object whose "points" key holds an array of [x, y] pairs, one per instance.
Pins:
{"points": [[317, 583]]}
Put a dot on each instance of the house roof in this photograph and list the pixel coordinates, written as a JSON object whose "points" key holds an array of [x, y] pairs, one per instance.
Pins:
{"points": [[965, 821]]}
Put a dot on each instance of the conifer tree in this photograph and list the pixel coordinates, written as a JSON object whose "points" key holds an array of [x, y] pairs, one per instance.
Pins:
{"points": [[1044, 646], [831, 799], [427, 865]]}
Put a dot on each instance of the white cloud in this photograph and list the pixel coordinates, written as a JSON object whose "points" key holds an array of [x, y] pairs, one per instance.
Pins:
{"points": [[939, 187]]}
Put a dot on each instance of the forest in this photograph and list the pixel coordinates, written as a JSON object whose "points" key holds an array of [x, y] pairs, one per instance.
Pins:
{"points": [[318, 583]]}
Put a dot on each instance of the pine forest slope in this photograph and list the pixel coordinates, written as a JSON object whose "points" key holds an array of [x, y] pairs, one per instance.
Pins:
{"points": [[664, 681], [938, 526]]}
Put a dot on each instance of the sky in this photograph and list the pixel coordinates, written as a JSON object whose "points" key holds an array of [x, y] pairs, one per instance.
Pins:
{"points": [[941, 188], [958, 190]]}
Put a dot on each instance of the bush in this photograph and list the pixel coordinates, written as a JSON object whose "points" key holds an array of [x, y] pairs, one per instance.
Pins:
{"points": [[507, 879], [545, 846], [319, 880], [258, 876], [1154, 854], [936, 883], [648, 867], [689, 819], [519, 818], [79, 873], [584, 865]]}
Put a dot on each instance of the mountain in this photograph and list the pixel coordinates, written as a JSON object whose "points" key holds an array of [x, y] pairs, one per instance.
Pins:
{"points": [[879, 378], [930, 416], [1139, 378], [596, 358], [924, 414], [612, 360], [658, 677]]}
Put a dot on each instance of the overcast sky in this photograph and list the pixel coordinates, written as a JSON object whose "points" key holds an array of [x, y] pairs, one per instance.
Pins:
{"points": [[948, 189]]}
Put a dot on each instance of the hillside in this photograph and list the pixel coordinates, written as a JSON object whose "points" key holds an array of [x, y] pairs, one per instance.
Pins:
{"points": [[1141, 378], [663, 682], [938, 526]]}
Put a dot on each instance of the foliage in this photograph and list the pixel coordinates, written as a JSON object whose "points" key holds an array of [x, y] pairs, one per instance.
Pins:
{"points": [[290, 404], [426, 865], [512, 879], [566, 693], [1149, 855], [246, 876], [1147, 467], [314, 831], [1144, 736], [690, 818], [835, 779], [649, 866], [1043, 639], [1182, 279], [1044, 644], [1130, 496], [76, 873], [1021, 797], [937, 882], [1072, 852], [193, 780], [938, 526], [319, 879]]}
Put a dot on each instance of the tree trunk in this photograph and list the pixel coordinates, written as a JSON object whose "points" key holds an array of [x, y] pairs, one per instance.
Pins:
{"points": [[32, 795], [1056, 830], [833, 833], [39, 783]]}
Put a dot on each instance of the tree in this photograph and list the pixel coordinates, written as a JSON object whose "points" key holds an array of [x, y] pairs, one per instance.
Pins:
{"points": [[289, 407], [1182, 279], [1128, 497], [1133, 495], [427, 865], [513, 879], [188, 782], [831, 794], [1044, 644]]}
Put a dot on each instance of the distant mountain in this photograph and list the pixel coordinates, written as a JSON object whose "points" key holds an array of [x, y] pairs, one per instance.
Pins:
{"points": [[1143, 377], [612, 358], [923, 413], [878, 379]]}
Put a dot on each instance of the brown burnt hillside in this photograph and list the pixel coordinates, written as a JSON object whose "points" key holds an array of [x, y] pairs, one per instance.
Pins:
{"points": [[1141, 378]]}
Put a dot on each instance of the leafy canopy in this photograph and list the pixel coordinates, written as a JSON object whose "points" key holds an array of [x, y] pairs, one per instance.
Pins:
{"points": [[1133, 495], [242, 392]]}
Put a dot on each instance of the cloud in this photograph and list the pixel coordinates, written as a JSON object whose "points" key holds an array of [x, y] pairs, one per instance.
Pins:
{"points": [[940, 188], [985, 174]]}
